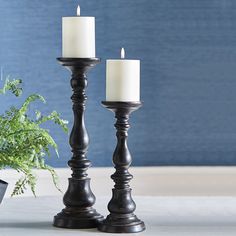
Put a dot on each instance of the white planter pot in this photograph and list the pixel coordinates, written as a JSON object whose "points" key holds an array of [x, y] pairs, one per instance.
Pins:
{"points": [[3, 188]]}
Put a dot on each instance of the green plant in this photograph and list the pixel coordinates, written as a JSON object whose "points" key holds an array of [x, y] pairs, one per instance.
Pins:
{"points": [[23, 142]]}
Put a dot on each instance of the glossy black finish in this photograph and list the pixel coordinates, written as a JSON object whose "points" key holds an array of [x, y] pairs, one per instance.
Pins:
{"points": [[79, 198], [3, 188], [121, 207]]}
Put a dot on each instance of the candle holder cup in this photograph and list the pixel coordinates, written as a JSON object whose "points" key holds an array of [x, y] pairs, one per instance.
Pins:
{"points": [[78, 198], [121, 207]]}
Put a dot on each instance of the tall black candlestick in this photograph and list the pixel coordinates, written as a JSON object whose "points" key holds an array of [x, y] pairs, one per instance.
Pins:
{"points": [[79, 198], [122, 218]]}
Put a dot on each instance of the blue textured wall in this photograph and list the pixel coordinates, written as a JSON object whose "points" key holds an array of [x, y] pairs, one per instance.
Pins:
{"points": [[188, 53]]}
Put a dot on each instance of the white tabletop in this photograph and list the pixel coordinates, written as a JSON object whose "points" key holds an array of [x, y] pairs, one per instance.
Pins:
{"points": [[167, 216]]}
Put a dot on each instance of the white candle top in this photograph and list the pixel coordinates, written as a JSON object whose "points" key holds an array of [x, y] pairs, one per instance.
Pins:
{"points": [[78, 36], [78, 10], [122, 53], [122, 79], [123, 56]]}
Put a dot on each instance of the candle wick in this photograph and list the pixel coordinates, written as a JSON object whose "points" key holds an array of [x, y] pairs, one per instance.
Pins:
{"points": [[122, 53], [78, 10]]}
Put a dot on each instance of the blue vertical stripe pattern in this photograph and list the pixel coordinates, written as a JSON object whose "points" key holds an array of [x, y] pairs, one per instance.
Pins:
{"points": [[187, 50]]}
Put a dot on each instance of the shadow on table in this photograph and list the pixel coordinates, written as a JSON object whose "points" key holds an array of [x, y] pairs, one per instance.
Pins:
{"points": [[37, 225]]}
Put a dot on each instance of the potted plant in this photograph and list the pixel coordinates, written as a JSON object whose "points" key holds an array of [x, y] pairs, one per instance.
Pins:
{"points": [[23, 142]]}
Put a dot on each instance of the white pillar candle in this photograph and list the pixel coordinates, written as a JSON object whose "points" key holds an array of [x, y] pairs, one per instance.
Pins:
{"points": [[78, 36], [123, 79]]}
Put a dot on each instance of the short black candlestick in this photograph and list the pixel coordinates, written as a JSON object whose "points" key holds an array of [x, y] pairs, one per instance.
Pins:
{"points": [[121, 207], [79, 198]]}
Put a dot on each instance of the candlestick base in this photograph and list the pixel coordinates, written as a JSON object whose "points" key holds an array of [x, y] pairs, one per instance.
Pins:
{"points": [[79, 213], [77, 219], [122, 218], [78, 199], [121, 223]]}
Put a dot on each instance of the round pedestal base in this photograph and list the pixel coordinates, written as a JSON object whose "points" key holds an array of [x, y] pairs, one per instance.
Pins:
{"points": [[77, 219], [121, 225]]}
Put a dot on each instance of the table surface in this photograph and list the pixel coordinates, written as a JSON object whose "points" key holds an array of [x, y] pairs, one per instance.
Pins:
{"points": [[167, 216]]}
